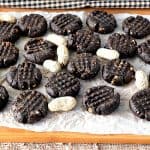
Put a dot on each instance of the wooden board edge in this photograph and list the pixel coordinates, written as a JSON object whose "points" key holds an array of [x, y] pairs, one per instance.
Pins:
{"points": [[110, 10], [20, 135]]}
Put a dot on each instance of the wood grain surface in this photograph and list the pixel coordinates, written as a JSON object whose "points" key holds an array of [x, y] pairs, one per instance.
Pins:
{"points": [[19, 135], [71, 146], [112, 10]]}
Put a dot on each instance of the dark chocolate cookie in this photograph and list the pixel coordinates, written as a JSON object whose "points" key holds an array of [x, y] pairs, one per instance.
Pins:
{"points": [[118, 72], [101, 100], [84, 66], [8, 54], [101, 22], [33, 25], [138, 27], [84, 41], [144, 51], [124, 44], [65, 24], [38, 50], [24, 76], [30, 107], [140, 104], [62, 84], [3, 97], [9, 31]]}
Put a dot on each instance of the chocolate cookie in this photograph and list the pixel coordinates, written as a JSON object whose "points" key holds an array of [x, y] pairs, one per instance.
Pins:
{"points": [[38, 50], [8, 54], [9, 31], [138, 27], [118, 72], [84, 66], [24, 76], [30, 107], [124, 44], [84, 41], [144, 51], [3, 97], [140, 104], [101, 100], [33, 25], [62, 84], [65, 24], [101, 22]]}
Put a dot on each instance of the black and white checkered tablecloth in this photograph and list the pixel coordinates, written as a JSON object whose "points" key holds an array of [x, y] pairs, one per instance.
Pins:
{"points": [[66, 4]]}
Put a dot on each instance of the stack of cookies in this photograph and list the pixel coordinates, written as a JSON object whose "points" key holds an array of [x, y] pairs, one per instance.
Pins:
{"points": [[73, 53]]}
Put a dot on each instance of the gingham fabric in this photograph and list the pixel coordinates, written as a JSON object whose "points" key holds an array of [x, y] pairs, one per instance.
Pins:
{"points": [[68, 4], [120, 3]]}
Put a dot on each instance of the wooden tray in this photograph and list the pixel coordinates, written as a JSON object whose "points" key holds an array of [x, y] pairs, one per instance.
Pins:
{"points": [[19, 135]]}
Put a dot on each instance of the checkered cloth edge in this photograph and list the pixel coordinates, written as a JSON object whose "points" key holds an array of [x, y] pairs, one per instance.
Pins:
{"points": [[120, 3], [69, 4]]}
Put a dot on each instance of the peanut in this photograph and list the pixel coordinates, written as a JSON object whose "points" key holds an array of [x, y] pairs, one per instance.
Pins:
{"points": [[65, 103], [52, 66], [57, 39], [7, 18], [62, 54], [141, 80], [107, 53]]}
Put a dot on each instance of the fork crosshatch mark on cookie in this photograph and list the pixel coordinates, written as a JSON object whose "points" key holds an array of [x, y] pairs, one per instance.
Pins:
{"points": [[8, 54], [137, 27], [30, 107], [101, 100], [33, 25], [118, 72], [84, 41], [124, 44], [101, 22], [65, 24], [62, 84], [24, 76], [37, 50], [144, 51], [140, 104], [9, 31], [84, 66]]}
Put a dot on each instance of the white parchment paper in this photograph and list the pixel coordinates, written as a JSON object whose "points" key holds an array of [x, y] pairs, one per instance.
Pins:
{"points": [[122, 121]]}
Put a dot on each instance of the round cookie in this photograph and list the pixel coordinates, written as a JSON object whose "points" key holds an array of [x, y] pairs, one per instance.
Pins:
{"points": [[144, 51], [84, 66], [101, 100], [8, 54], [65, 24], [101, 22], [9, 31], [24, 76], [3, 97], [30, 107], [137, 27], [84, 41], [33, 25], [62, 84], [37, 50], [124, 44], [118, 72], [140, 104]]}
